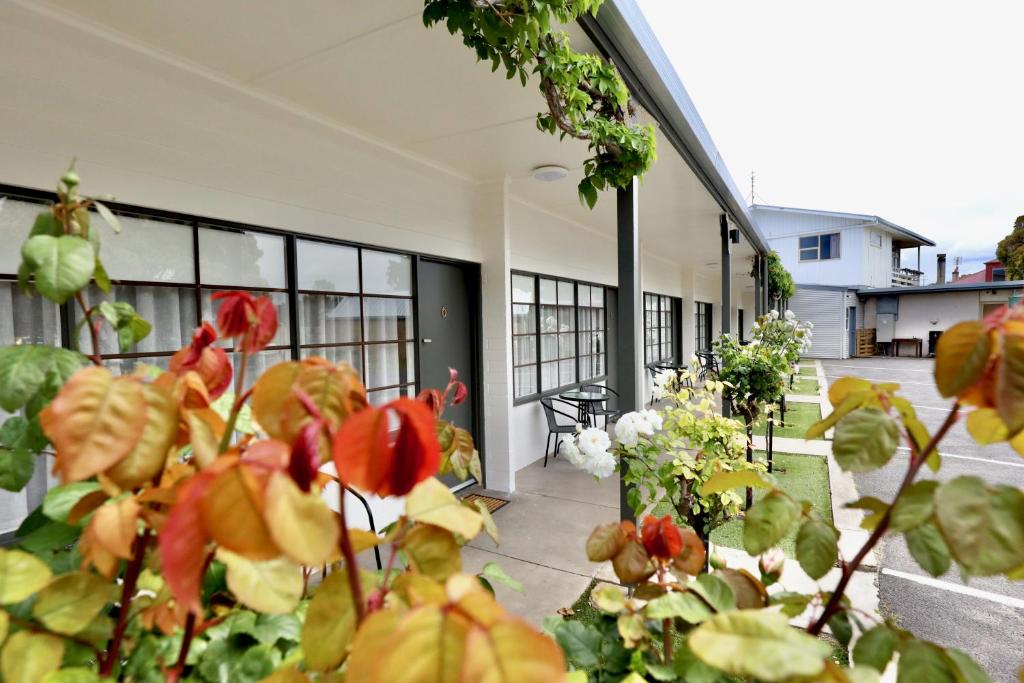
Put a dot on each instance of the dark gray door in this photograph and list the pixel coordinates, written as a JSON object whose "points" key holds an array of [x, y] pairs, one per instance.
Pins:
{"points": [[851, 327], [446, 318]]}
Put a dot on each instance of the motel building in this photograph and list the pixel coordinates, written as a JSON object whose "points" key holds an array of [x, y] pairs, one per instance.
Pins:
{"points": [[382, 186]]}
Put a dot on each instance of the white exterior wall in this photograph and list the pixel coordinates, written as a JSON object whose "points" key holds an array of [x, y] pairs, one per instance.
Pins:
{"points": [[920, 314]]}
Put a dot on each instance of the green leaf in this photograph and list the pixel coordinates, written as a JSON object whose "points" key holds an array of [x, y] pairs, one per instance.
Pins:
{"points": [[71, 601], [841, 628], [685, 606], [967, 669], [928, 549], [108, 216], [875, 648], [21, 575], [580, 642], [915, 506], [494, 572], [26, 434], [723, 481], [102, 278], [983, 526], [875, 506], [793, 604], [77, 674], [60, 499], [587, 192], [865, 440], [923, 662], [28, 657], [16, 468], [130, 327], [62, 265], [46, 224], [270, 628], [760, 644], [26, 369], [961, 356], [768, 521], [715, 591], [330, 623], [817, 547]]}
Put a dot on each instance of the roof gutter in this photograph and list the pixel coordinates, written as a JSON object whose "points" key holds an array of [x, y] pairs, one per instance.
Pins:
{"points": [[623, 34]]}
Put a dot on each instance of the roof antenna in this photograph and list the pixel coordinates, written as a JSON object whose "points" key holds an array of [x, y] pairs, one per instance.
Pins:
{"points": [[751, 188]]}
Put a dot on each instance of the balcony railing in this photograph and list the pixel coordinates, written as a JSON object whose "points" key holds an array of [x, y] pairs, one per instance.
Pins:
{"points": [[905, 277]]}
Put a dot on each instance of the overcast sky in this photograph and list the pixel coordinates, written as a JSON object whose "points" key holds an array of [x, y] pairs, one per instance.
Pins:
{"points": [[910, 110]]}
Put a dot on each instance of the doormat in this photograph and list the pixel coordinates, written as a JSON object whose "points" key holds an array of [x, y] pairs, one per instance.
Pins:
{"points": [[492, 504]]}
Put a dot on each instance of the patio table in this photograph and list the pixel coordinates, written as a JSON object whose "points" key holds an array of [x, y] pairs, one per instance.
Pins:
{"points": [[584, 399]]}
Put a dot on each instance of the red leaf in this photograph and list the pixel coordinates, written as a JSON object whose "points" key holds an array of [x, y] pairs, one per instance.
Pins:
{"points": [[460, 394], [183, 543], [263, 325], [433, 400], [235, 314], [372, 457], [661, 538], [305, 457], [210, 362]]}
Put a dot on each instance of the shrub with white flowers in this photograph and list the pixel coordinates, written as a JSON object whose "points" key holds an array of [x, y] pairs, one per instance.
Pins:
{"points": [[789, 336]]}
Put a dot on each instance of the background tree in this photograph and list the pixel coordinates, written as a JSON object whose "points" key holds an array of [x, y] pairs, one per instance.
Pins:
{"points": [[1011, 251]]}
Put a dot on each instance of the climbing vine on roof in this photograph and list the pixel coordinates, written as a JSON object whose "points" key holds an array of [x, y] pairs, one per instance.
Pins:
{"points": [[780, 282], [586, 99]]}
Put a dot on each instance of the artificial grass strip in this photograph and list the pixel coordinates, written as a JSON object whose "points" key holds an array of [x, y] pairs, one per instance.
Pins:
{"points": [[808, 370], [804, 386], [805, 477], [799, 417]]}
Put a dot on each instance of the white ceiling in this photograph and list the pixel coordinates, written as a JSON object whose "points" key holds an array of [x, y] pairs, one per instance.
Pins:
{"points": [[362, 65]]}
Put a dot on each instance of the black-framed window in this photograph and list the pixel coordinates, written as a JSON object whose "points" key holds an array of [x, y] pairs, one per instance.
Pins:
{"points": [[819, 247], [354, 304], [702, 315], [559, 334], [659, 328]]}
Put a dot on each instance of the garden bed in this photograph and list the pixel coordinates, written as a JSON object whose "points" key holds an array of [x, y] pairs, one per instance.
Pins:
{"points": [[799, 418]]}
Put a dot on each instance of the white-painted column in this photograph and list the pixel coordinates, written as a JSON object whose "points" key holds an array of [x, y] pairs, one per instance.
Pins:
{"points": [[494, 224]]}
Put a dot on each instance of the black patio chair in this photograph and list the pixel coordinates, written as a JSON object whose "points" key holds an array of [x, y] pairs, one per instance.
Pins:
{"points": [[708, 364], [654, 374], [609, 413], [554, 428]]}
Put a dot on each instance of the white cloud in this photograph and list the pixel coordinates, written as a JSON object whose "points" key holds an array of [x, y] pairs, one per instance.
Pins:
{"points": [[910, 110]]}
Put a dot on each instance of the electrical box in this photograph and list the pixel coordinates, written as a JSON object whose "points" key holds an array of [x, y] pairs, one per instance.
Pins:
{"points": [[885, 325]]}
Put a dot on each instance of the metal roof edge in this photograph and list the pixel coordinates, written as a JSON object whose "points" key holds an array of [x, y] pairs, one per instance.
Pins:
{"points": [[622, 32], [846, 214], [947, 287]]}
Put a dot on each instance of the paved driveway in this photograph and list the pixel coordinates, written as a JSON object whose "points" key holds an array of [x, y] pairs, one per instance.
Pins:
{"points": [[984, 617]]}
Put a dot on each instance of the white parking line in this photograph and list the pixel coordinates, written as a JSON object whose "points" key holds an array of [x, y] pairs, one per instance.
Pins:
{"points": [[956, 588], [988, 461]]}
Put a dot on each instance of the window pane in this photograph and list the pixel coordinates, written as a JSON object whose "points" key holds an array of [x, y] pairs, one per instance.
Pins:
{"points": [[583, 292], [548, 291], [258, 364], [328, 319], [566, 345], [825, 251], [522, 289], [16, 220], [388, 364], [353, 355], [549, 346], [327, 267], [27, 321], [378, 398], [566, 372], [241, 259], [280, 300], [548, 376], [147, 249], [809, 242], [565, 296], [566, 319], [385, 273], [548, 318], [525, 380], [524, 319], [597, 297], [126, 366], [524, 350], [808, 254], [388, 319], [171, 311]]}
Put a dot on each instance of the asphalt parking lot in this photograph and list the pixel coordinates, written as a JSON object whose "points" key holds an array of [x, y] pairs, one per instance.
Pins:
{"points": [[984, 616]]}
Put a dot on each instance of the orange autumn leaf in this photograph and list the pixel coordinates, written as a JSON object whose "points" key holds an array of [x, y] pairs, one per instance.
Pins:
{"points": [[115, 526], [191, 392], [96, 554], [149, 456], [301, 523], [232, 512], [370, 456], [268, 454], [209, 362], [183, 542], [95, 421], [85, 505], [205, 430]]}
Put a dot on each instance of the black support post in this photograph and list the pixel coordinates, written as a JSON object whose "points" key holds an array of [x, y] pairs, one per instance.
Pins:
{"points": [[627, 371], [726, 315]]}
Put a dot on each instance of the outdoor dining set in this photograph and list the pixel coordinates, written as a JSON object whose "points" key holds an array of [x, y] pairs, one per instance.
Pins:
{"points": [[585, 406]]}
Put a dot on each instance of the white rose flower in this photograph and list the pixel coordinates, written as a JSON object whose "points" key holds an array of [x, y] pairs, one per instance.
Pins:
{"points": [[774, 315], [627, 429], [790, 315], [593, 441], [601, 466], [572, 453], [653, 418]]}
